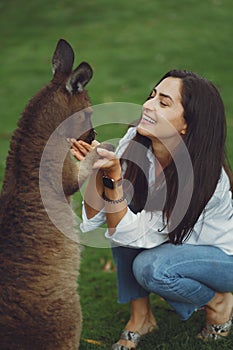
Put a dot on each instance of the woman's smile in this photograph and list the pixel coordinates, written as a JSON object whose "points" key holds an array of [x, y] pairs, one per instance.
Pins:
{"points": [[147, 120]]}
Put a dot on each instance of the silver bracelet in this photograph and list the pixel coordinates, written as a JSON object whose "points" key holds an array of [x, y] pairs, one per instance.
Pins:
{"points": [[112, 201]]}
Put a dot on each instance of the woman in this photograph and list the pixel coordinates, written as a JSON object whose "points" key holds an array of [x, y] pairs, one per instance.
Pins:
{"points": [[172, 228]]}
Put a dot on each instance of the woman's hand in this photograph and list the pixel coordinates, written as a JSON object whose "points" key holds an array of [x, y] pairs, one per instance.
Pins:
{"points": [[108, 163], [80, 149], [93, 201]]}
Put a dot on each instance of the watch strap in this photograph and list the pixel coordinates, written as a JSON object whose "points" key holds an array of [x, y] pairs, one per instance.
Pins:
{"points": [[112, 201]]}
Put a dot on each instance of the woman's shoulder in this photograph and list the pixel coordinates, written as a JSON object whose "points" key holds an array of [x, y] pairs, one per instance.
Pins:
{"points": [[222, 194], [223, 184]]}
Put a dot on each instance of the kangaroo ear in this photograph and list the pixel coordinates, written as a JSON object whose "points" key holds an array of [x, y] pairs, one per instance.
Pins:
{"points": [[63, 58], [79, 78]]}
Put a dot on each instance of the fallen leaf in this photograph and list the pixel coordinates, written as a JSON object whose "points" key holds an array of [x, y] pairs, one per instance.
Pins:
{"points": [[92, 341]]}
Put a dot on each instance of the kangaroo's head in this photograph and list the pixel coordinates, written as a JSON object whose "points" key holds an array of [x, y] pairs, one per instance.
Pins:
{"points": [[71, 99]]}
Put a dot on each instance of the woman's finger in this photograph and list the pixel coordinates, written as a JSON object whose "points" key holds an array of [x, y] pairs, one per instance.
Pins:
{"points": [[81, 148], [108, 161], [79, 144], [85, 145], [78, 155], [106, 154], [103, 163], [95, 143]]}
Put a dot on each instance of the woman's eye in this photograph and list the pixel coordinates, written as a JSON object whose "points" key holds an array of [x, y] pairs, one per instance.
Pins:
{"points": [[163, 104]]}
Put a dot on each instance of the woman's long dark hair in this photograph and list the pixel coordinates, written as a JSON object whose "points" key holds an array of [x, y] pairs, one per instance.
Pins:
{"points": [[205, 142]]}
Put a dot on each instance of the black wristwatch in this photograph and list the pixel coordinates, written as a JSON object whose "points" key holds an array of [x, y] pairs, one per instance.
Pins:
{"points": [[111, 183]]}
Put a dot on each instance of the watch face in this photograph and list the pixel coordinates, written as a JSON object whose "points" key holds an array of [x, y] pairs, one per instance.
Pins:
{"points": [[107, 182]]}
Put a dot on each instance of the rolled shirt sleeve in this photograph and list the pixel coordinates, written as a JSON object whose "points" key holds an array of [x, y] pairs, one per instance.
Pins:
{"points": [[141, 230], [91, 224]]}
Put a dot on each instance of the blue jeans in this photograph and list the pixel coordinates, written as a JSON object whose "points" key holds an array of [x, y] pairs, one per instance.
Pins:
{"points": [[186, 276]]}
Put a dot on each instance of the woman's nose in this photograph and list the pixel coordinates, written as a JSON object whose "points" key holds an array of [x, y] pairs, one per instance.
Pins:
{"points": [[150, 104]]}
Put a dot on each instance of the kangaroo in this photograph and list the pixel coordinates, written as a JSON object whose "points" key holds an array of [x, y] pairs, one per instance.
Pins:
{"points": [[39, 250]]}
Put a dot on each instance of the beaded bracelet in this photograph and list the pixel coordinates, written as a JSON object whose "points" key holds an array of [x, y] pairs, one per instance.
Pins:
{"points": [[112, 201]]}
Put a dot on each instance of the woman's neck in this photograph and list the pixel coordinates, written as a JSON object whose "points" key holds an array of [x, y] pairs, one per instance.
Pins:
{"points": [[161, 153]]}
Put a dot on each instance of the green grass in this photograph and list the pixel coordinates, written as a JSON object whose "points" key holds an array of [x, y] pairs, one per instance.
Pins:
{"points": [[104, 318], [129, 44]]}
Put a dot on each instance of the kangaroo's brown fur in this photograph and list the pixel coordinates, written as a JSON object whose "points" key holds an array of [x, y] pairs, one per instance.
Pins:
{"points": [[39, 262]]}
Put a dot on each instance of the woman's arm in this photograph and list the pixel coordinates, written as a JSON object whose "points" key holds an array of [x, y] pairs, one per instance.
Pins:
{"points": [[124, 227], [93, 201], [144, 229], [115, 205]]}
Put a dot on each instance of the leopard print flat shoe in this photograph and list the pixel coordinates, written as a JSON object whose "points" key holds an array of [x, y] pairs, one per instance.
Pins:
{"points": [[134, 337], [216, 331]]}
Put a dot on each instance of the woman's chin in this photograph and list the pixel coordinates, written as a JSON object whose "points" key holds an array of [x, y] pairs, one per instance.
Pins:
{"points": [[143, 130]]}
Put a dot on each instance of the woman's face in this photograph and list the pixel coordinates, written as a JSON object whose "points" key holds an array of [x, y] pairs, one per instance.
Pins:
{"points": [[162, 115]]}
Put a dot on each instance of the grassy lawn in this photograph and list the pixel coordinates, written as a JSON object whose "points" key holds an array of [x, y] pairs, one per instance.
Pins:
{"points": [[129, 44]]}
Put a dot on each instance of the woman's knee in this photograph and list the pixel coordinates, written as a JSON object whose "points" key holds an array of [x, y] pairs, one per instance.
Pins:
{"points": [[145, 271], [152, 272]]}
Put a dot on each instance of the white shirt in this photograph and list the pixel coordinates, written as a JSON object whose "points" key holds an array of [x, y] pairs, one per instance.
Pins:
{"points": [[146, 229]]}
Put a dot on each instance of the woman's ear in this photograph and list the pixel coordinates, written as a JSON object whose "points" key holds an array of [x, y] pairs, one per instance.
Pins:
{"points": [[184, 130]]}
